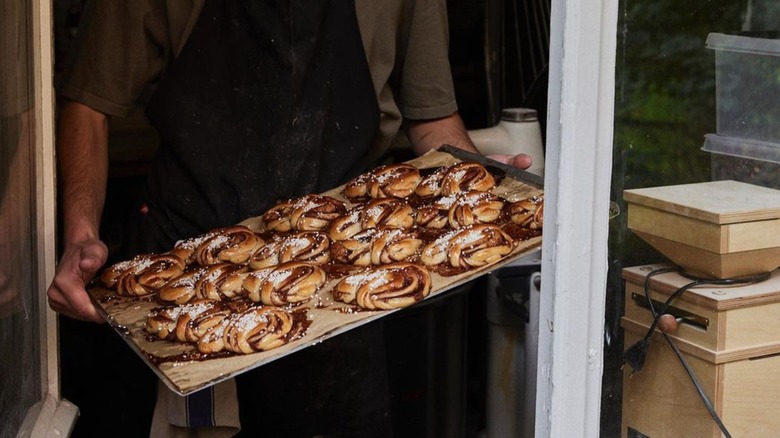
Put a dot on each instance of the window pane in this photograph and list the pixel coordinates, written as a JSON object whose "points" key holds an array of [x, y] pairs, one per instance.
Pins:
{"points": [[20, 372], [665, 105]]}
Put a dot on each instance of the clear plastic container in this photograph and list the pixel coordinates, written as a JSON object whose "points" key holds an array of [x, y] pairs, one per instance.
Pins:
{"points": [[742, 147], [748, 85]]}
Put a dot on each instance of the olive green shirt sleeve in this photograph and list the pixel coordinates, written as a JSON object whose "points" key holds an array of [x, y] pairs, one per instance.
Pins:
{"points": [[121, 48], [406, 45], [16, 71], [426, 90]]}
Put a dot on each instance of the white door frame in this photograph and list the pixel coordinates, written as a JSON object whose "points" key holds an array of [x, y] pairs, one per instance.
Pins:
{"points": [[574, 251], [52, 417]]}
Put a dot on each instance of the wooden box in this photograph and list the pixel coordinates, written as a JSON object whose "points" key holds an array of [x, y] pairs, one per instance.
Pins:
{"points": [[717, 229], [730, 336]]}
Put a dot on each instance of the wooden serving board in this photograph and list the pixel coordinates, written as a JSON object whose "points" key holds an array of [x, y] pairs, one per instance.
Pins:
{"points": [[328, 318]]}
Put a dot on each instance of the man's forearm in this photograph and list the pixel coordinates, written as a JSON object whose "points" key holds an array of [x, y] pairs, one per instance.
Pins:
{"points": [[82, 150], [430, 134]]}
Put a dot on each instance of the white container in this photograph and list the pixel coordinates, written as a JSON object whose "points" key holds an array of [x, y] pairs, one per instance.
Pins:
{"points": [[518, 132]]}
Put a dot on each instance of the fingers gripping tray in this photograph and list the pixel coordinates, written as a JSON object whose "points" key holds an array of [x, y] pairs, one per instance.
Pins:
{"points": [[314, 267]]}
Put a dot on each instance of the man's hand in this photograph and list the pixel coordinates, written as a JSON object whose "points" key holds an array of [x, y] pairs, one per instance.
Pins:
{"points": [[82, 153], [67, 293], [520, 161], [430, 134]]}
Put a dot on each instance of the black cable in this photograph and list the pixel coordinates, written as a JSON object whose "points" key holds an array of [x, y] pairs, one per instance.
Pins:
{"points": [[636, 354], [699, 389]]}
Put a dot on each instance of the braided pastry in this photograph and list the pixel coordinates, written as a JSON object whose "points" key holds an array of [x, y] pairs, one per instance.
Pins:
{"points": [[185, 249], [356, 250], [395, 180], [466, 176], [220, 282], [232, 245], [435, 215], [268, 255], [392, 245], [390, 212], [306, 246], [255, 329], [186, 322], [357, 189], [347, 225], [474, 207], [253, 282], [469, 247], [181, 289], [478, 245], [288, 283], [315, 212], [142, 275], [109, 275], [376, 246], [430, 185], [386, 287], [435, 253], [277, 218], [528, 213]]}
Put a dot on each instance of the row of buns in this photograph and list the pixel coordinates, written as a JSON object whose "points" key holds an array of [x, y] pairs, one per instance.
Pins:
{"points": [[235, 289]]}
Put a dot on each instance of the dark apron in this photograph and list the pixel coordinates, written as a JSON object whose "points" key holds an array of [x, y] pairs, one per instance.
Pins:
{"points": [[270, 100]]}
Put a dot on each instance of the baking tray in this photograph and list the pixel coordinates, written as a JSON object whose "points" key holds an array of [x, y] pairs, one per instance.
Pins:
{"points": [[188, 373]]}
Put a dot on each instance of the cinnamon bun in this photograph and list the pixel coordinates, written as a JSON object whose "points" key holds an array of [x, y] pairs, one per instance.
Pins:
{"points": [[220, 282], [315, 212], [470, 247], [143, 275], [390, 212], [430, 185], [394, 180], [182, 288], [256, 329], [277, 218], [386, 287], [185, 249], [306, 246], [356, 250], [435, 214], [479, 245], [474, 207], [528, 213], [347, 225], [357, 189], [290, 283], [268, 255], [466, 176], [392, 245], [186, 322], [253, 283], [229, 245]]}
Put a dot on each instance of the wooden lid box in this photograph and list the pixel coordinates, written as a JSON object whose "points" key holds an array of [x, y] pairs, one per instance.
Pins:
{"points": [[719, 229], [730, 335]]}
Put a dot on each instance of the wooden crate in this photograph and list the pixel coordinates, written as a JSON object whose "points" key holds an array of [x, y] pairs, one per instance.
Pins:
{"points": [[732, 342], [715, 229]]}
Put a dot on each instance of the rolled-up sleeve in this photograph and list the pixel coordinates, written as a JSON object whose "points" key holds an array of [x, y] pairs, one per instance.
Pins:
{"points": [[120, 50], [426, 88]]}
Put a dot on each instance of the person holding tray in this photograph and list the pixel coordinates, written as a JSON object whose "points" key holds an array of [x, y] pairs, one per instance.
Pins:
{"points": [[255, 102]]}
